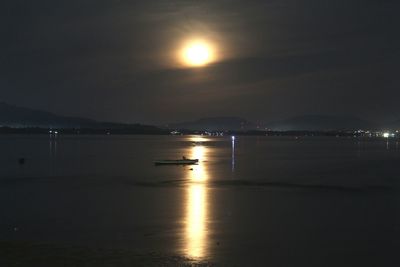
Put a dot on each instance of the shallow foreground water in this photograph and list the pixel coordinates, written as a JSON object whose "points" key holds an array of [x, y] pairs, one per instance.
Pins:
{"points": [[252, 201]]}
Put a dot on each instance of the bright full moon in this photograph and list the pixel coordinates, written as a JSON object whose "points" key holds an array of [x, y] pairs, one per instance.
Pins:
{"points": [[197, 54]]}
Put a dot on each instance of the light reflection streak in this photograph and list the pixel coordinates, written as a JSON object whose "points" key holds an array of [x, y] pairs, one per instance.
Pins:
{"points": [[233, 153], [53, 153], [196, 204]]}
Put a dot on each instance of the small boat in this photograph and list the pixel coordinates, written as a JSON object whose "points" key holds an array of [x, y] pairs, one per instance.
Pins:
{"points": [[197, 143], [176, 162]]}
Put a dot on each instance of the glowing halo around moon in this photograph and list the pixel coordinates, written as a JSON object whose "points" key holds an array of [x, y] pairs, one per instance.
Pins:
{"points": [[197, 53]]}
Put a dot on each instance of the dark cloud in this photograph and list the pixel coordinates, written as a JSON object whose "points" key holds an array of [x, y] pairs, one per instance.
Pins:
{"points": [[113, 60]]}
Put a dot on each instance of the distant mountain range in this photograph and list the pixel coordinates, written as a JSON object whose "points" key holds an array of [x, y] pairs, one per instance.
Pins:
{"points": [[215, 124], [393, 126], [320, 123], [25, 117], [301, 123], [19, 117]]}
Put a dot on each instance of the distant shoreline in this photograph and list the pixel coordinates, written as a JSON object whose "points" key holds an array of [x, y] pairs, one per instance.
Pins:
{"points": [[127, 131]]}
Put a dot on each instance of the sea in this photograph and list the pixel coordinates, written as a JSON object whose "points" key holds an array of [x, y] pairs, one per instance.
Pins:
{"points": [[94, 200]]}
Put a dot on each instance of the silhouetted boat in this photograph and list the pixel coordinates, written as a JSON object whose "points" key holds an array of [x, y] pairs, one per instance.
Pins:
{"points": [[176, 162], [197, 143]]}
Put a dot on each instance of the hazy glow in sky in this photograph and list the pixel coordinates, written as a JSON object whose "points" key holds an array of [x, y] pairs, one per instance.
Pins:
{"points": [[137, 61]]}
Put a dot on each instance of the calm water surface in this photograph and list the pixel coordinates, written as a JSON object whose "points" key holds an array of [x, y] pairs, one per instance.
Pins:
{"points": [[255, 201]]}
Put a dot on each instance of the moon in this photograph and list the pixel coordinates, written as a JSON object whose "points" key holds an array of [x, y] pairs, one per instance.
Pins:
{"points": [[197, 54]]}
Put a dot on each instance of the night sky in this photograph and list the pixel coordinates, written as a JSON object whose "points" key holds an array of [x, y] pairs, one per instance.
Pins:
{"points": [[116, 60]]}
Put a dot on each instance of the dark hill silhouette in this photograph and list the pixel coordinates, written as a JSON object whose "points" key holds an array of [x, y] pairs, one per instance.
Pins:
{"points": [[215, 124], [14, 116], [320, 123], [19, 117], [392, 126]]}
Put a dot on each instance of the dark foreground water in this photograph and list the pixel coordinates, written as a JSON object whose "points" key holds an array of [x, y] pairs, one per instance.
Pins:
{"points": [[258, 201]]}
